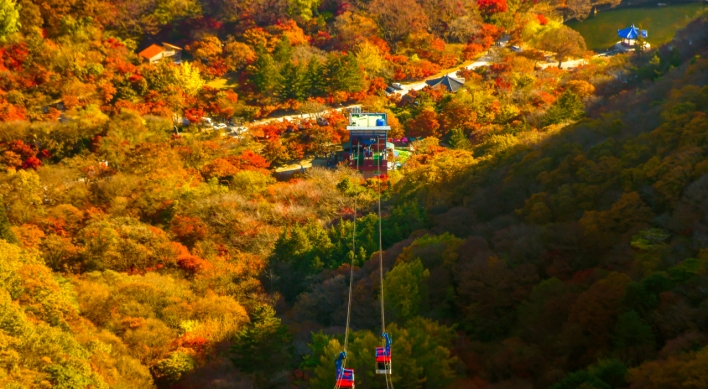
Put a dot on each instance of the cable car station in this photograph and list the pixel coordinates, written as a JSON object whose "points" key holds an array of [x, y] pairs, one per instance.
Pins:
{"points": [[367, 150]]}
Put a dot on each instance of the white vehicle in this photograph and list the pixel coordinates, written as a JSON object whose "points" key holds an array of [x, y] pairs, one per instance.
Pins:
{"points": [[237, 130], [220, 126], [516, 49], [208, 121]]}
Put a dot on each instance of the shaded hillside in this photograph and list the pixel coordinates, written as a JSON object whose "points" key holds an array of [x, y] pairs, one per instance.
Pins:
{"points": [[577, 261]]}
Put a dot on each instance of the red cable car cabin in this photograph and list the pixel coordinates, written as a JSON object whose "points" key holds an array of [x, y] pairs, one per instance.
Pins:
{"points": [[383, 361], [383, 356], [346, 380]]}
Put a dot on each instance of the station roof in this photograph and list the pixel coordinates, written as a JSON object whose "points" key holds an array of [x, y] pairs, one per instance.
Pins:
{"points": [[368, 121]]}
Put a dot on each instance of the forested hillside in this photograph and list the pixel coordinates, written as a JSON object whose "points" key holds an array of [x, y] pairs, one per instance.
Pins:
{"points": [[547, 231], [564, 260]]}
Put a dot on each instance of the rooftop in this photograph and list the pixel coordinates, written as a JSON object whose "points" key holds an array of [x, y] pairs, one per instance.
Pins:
{"points": [[368, 121], [631, 33], [451, 84], [169, 46], [151, 51]]}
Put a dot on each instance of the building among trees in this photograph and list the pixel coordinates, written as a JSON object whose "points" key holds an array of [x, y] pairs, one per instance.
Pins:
{"points": [[632, 36], [451, 84], [155, 53], [367, 149]]}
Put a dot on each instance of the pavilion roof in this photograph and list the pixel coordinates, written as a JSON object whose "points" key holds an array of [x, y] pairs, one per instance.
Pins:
{"points": [[452, 84], [631, 33]]}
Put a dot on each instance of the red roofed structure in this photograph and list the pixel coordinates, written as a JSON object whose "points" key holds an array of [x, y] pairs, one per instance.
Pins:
{"points": [[154, 53]]}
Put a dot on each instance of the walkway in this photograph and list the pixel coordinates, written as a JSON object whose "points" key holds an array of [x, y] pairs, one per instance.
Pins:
{"points": [[482, 61]]}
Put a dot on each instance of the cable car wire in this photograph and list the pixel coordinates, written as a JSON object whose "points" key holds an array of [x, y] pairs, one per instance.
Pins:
{"points": [[389, 380], [351, 266], [351, 281]]}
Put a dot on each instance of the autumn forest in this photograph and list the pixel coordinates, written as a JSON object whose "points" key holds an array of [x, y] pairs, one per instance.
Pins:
{"points": [[178, 208]]}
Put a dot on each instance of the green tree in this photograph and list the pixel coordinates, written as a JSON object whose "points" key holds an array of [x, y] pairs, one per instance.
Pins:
{"points": [[343, 73], [262, 348], [405, 288], [458, 140], [633, 339], [568, 107], [283, 51], [323, 369], [303, 8], [266, 75], [420, 351], [5, 227], [315, 83], [640, 42], [294, 81], [173, 367], [9, 18], [605, 374]]}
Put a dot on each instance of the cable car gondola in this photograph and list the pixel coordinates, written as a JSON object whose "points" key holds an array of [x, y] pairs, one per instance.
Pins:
{"points": [[383, 356], [345, 377]]}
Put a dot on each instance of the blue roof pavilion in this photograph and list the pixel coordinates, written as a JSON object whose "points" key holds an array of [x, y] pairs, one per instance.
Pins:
{"points": [[630, 34]]}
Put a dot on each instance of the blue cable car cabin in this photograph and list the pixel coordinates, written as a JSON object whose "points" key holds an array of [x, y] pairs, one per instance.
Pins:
{"points": [[345, 377], [383, 356]]}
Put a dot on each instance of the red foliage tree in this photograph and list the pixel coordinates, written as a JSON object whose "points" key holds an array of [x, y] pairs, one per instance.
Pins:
{"points": [[471, 50], [490, 7], [188, 262], [542, 19], [188, 229], [425, 124]]}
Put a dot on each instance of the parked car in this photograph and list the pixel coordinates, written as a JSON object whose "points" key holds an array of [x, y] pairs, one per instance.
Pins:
{"points": [[516, 49], [322, 122], [236, 130], [220, 126], [397, 86], [390, 90]]}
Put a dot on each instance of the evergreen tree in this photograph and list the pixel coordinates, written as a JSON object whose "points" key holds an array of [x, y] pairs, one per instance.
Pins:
{"points": [[315, 83], [294, 81], [283, 51], [5, 230], [354, 80], [568, 107], [342, 73], [458, 140], [262, 348], [266, 76]]}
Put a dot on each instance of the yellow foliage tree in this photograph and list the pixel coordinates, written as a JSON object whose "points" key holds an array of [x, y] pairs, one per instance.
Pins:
{"points": [[369, 56], [189, 78]]}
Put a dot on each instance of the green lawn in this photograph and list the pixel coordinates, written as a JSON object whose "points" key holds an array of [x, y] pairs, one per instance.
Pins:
{"points": [[227, 81]]}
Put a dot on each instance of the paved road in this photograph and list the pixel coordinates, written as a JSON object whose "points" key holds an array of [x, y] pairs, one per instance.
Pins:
{"points": [[482, 61], [566, 65]]}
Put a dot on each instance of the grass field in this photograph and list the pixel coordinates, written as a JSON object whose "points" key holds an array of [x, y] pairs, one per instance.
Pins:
{"points": [[227, 81]]}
